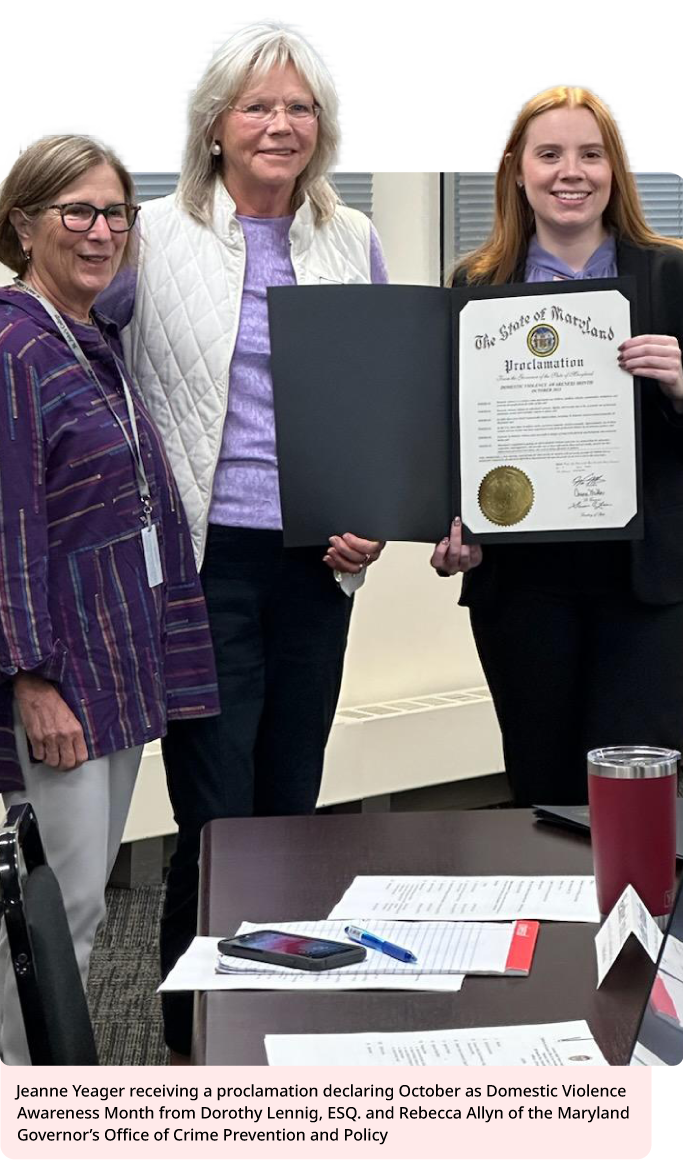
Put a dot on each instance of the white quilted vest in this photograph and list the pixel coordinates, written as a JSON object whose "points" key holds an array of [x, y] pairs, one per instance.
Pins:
{"points": [[181, 338]]}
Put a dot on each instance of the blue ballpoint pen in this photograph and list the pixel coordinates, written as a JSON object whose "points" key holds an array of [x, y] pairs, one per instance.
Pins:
{"points": [[374, 943]]}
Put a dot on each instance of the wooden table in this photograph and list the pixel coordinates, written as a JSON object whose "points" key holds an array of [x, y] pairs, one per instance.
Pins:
{"points": [[285, 868]]}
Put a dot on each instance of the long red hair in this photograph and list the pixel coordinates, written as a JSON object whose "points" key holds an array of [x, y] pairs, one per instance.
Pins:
{"points": [[497, 259]]}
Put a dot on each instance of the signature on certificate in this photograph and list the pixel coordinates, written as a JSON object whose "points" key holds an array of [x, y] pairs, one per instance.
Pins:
{"points": [[589, 494]]}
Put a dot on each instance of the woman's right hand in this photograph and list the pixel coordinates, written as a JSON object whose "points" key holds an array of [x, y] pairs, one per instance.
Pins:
{"points": [[452, 556], [55, 734]]}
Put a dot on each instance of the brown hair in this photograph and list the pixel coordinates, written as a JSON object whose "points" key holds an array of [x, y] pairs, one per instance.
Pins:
{"points": [[38, 176], [496, 260]]}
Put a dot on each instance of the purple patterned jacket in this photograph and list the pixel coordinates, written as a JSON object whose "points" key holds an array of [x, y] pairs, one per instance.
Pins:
{"points": [[75, 605]]}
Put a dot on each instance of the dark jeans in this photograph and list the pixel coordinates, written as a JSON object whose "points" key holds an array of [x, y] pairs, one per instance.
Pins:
{"points": [[572, 672], [279, 624]]}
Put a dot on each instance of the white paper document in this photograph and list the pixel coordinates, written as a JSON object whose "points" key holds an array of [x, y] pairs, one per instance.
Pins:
{"points": [[643, 1057], [440, 948], [629, 916], [196, 970], [564, 898], [545, 1045], [547, 416]]}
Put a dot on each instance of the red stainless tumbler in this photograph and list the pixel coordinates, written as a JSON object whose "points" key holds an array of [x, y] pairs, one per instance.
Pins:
{"points": [[632, 797]]}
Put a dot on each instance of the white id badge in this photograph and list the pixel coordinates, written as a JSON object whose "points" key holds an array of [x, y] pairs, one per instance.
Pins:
{"points": [[150, 546]]}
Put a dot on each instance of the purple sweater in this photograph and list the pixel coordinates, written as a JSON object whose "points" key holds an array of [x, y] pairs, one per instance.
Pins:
{"points": [[246, 489], [543, 267], [75, 605]]}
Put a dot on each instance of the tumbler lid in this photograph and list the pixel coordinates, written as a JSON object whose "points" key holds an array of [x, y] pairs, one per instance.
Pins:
{"points": [[633, 762]]}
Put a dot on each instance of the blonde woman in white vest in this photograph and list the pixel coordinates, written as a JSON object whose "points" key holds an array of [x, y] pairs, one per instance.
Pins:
{"points": [[253, 209]]}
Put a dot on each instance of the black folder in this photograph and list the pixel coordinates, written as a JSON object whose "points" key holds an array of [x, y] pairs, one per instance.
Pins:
{"points": [[365, 382]]}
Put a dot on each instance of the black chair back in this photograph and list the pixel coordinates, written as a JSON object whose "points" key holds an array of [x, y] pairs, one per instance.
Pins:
{"points": [[51, 995]]}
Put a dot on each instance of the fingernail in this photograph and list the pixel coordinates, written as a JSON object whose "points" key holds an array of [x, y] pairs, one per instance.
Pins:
{"points": [[456, 521], [445, 541]]}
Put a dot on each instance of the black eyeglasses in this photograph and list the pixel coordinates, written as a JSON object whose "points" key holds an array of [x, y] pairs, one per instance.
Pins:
{"points": [[81, 216]]}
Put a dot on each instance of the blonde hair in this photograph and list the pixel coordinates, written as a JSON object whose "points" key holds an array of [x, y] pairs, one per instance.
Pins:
{"points": [[497, 259], [39, 175], [248, 55]]}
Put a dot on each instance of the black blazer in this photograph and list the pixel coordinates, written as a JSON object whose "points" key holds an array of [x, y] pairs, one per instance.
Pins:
{"points": [[656, 562]]}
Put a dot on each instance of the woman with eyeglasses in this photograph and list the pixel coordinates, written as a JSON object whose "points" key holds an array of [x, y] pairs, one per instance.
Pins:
{"points": [[254, 209], [103, 633]]}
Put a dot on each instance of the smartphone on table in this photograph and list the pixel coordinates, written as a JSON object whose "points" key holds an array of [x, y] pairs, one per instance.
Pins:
{"points": [[293, 950]]}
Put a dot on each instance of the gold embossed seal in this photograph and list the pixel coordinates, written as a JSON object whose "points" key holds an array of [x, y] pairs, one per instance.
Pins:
{"points": [[506, 495]]}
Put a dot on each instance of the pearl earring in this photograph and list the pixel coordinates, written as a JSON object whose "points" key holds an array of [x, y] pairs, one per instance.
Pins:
{"points": [[216, 149]]}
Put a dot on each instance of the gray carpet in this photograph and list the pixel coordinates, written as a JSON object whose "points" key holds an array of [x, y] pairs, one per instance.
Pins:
{"points": [[124, 975]]}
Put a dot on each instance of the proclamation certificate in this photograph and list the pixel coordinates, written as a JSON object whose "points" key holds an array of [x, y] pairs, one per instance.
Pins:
{"points": [[397, 408], [547, 420]]}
